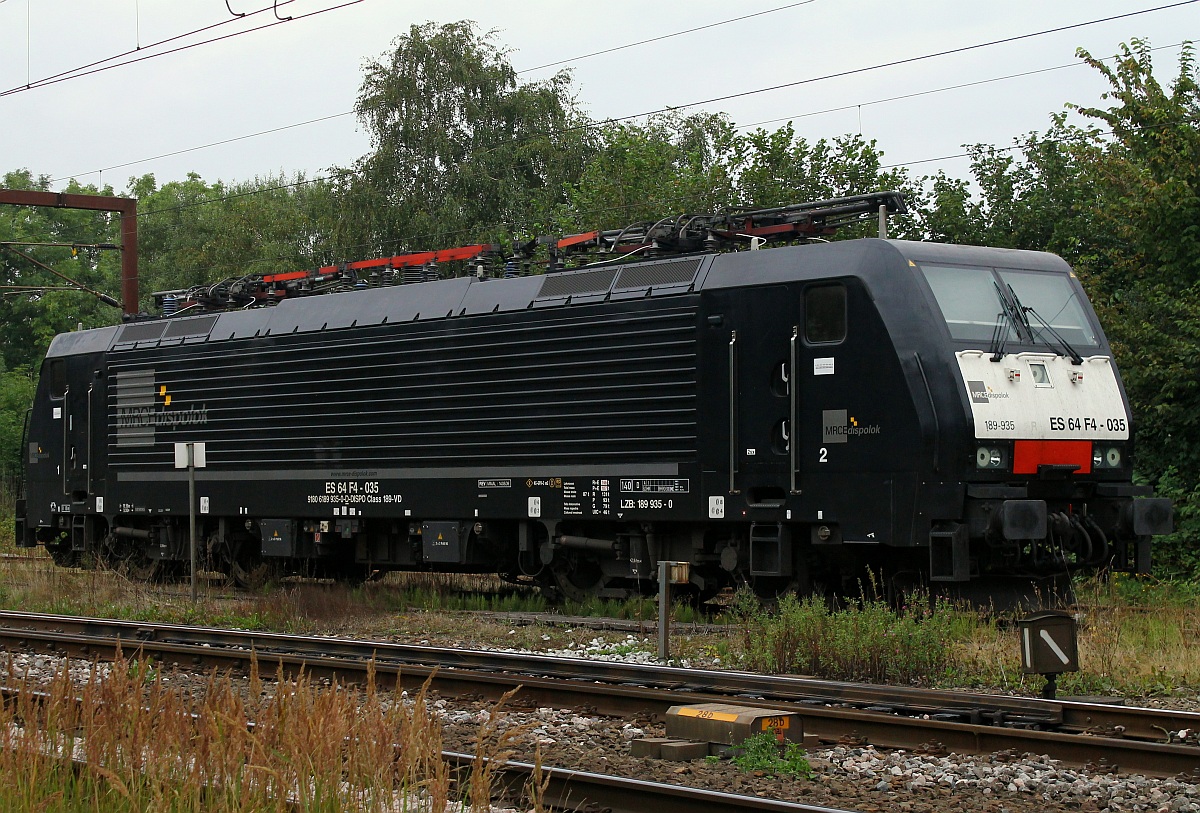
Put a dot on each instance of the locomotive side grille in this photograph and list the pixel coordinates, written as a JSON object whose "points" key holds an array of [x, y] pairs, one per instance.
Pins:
{"points": [[676, 272], [190, 327], [141, 331], [586, 282], [574, 389]]}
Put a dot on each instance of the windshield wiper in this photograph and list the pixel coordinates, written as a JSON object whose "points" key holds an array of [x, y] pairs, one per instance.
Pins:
{"points": [[1008, 318], [1068, 350]]}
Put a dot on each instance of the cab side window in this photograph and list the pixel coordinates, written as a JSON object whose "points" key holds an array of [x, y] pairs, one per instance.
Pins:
{"points": [[56, 376], [825, 314]]}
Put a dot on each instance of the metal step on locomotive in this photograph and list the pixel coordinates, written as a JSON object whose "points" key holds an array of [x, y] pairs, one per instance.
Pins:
{"points": [[786, 418]]}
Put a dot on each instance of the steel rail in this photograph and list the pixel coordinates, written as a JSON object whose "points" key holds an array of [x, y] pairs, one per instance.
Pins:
{"points": [[975, 707], [574, 682], [581, 790], [571, 790], [1137, 723], [953, 706]]}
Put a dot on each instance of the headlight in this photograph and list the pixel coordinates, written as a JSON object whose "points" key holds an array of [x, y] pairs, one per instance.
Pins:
{"points": [[1106, 457], [991, 457]]}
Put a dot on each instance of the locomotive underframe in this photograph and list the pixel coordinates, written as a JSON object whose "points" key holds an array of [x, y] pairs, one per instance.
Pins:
{"points": [[997, 538]]}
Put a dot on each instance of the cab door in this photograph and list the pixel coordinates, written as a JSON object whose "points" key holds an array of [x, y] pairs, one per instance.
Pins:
{"points": [[79, 412], [762, 351]]}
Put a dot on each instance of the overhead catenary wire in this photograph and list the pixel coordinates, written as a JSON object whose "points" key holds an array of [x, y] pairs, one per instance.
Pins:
{"points": [[99, 66], [905, 61], [709, 101], [913, 163], [222, 142], [932, 91], [29, 84], [662, 37], [747, 126], [238, 16], [351, 112], [83, 70], [810, 80]]}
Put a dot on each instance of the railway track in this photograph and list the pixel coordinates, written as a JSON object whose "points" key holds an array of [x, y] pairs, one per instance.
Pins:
{"points": [[572, 790], [1078, 733], [21, 558], [564, 789]]}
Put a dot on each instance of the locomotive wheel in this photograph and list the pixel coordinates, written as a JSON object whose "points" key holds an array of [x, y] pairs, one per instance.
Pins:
{"points": [[240, 562], [248, 571], [578, 579]]}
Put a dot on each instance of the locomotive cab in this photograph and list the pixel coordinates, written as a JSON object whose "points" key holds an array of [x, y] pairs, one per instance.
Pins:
{"points": [[1045, 455]]}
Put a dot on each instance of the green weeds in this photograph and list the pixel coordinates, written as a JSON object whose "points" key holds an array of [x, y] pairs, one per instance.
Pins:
{"points": [[867, 640], [1137, 638], [763, 753], [8, 509]]}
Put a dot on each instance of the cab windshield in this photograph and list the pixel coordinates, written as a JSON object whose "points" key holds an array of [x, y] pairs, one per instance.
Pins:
{"points": [[1009, 305]]}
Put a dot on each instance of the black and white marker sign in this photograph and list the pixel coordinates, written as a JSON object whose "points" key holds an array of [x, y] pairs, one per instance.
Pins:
{"points": [[1048, 643]]}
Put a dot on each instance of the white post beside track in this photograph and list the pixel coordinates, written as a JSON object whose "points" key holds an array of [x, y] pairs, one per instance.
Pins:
{"points": [[191, 456], [668, 573]]}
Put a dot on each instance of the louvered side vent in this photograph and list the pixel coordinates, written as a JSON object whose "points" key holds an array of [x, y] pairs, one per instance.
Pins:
{"points": [[190, 327], [141, 332], [583, 388], [577, 283], [677, 272]]}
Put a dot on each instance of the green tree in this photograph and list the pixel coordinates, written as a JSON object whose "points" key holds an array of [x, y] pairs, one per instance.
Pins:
{"points": [[1144, 273], [643, 172], [46, 305], [776, 168], [191, 232], [1034, 195], [16, 394], [701, 163], [461, 150]]}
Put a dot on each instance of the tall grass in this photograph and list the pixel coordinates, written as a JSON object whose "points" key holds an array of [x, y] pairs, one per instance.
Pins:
{"points": [[865, 640], [1137, 637], [138, 745], [295, 606], [452, 592], [8, 511]]}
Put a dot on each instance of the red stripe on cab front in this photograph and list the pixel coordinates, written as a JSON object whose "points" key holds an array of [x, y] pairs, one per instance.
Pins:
{"points": [[1029, 454]]}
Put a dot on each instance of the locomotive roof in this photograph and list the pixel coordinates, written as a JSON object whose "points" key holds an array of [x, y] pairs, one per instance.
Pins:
{"points": [[875, 261]]}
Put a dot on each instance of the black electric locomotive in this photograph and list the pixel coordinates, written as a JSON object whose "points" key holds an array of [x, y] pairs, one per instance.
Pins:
{"points": [[785, 417]]}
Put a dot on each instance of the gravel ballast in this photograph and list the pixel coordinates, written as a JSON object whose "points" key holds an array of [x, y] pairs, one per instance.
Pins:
{"points": [[845, 776]]}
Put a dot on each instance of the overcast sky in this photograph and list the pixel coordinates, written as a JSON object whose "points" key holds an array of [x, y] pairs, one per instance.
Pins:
{"points": [[118, 120]]}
